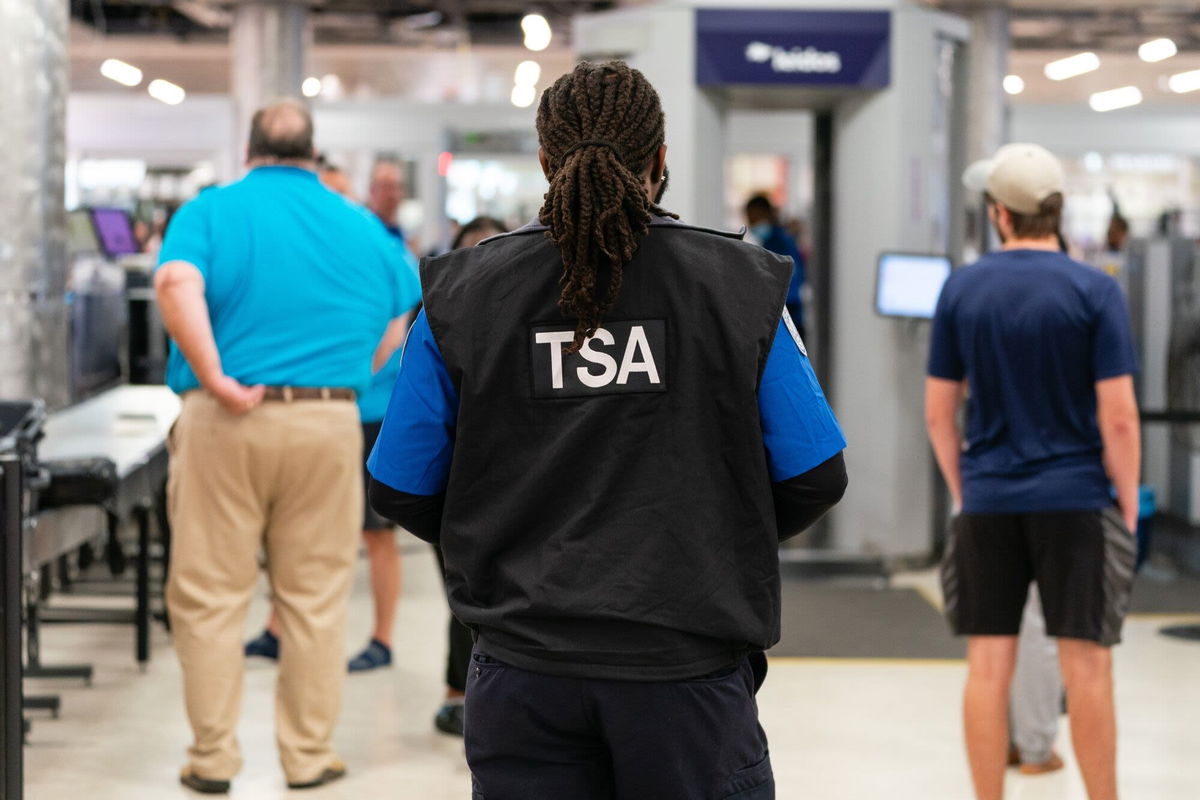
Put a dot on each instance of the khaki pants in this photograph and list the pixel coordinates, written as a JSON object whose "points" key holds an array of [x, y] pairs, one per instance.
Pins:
{"points": [[286, 477]]}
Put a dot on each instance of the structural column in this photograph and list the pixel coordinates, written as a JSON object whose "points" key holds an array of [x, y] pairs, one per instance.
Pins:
{"points": [[33, 95], [269, 44], [987, 125]]}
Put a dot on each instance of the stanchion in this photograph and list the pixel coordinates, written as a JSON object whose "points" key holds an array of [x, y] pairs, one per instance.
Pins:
{"points": [[12, 734]]}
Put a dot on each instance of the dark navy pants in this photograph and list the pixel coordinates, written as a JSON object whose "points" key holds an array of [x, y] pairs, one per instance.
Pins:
{"points": [[531, 736]]}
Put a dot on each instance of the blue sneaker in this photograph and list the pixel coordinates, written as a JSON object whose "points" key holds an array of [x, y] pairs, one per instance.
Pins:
{"points": [[265, 645], [375, 655]]}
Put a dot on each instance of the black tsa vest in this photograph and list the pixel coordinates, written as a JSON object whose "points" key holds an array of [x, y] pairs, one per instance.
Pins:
{"points": [[608, 513]]}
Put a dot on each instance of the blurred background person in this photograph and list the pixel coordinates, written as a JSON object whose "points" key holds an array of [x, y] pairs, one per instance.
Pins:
{"points": [[274, 322], [378, 534], [334, 178], [385, 193], [763, 220]]}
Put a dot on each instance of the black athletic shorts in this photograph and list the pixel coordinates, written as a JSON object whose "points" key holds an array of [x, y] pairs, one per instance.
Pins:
{"points": [[371, 520], [1083, 563]]}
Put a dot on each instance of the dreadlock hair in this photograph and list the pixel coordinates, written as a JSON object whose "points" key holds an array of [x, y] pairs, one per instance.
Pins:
{"points": [[600, 126]]}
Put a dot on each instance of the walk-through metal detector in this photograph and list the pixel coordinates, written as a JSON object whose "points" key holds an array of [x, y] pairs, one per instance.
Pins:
{"points": [[886, 84]]}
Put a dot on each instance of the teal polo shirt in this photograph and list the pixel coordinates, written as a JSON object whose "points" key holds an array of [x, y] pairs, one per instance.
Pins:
{"points": [[300, 282]]}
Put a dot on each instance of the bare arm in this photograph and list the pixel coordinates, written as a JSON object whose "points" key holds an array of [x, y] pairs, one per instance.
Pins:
{"points": [[393, 339], [1117, 416], [180, 289], [942, 398]]}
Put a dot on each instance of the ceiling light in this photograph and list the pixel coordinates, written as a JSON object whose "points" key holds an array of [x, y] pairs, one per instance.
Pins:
{"points": [[523, 95], [311, 87], [1157, 50], [1014, 84], [429, 19], [167, 92], [332, 87], [1184, 81], [1113, 99], [1071, 67], [528, 73], [119, 71], [537, 31]]}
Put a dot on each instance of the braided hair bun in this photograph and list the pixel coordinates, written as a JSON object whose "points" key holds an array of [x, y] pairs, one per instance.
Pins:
{"points": [[600, 128]]}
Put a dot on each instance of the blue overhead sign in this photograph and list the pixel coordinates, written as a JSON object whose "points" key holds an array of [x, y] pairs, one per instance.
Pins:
{"points": [[793, 48]]}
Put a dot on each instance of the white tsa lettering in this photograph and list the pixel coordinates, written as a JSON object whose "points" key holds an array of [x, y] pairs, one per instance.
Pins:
{"points": [[556, 340], [597, 357], [623, 357], [637, 344]]}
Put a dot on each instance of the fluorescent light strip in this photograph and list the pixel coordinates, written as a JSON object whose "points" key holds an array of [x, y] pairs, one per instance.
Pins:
{"points": [[117, 70], [1113, 99], [1157, 50], [1184, 81], [167, 92], [1072, 67]]}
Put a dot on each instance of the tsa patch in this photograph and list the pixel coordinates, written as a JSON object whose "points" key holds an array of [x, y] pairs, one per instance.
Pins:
{"points": [[619, 358], [791, 326]]}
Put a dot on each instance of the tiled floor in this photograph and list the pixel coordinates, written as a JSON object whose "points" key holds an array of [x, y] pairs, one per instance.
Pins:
{"points": [[839, 730]]}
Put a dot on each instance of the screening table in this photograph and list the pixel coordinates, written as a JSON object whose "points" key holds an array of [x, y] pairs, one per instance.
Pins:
{"points": [[127, 425]]}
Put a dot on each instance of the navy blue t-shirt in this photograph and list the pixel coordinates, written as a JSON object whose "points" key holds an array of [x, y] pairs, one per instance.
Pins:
{"points": [[1031, 332]]}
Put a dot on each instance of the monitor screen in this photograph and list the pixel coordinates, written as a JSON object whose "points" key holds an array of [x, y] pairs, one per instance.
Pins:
{"points": [[115, 232], [81, 236], [908, 285]]}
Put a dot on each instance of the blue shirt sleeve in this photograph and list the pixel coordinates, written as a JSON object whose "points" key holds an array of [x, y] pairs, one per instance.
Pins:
{"points": [[945, 358], [1113, 353], [188, 237], [416, 441], [799, 428]]}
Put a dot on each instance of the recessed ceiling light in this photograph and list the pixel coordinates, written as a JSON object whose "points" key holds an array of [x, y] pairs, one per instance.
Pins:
{"points": [[1184, 81], [523, 95], [311, 87], [117, 70], [167, 92], [528, 73], [1014, 84], [537, 32], [1113, 99], [1073, 66], [1157, 50]]}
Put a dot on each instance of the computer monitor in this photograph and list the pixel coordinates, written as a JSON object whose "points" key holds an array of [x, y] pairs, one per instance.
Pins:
{"points": [[115, 232], [81, 235], [908, 284]]}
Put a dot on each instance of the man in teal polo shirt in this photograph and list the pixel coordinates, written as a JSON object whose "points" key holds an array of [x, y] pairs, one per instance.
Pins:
{"points": [[276, 293]]}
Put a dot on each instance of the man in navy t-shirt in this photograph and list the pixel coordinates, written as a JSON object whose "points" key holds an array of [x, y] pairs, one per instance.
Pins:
{"points": [[1041, 348]]}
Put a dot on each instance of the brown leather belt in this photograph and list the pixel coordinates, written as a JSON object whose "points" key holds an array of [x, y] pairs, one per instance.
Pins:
{"points": [[287, 394]]}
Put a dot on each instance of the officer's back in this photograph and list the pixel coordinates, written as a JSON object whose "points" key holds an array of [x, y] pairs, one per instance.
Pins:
{"points": [[597, 417]]}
